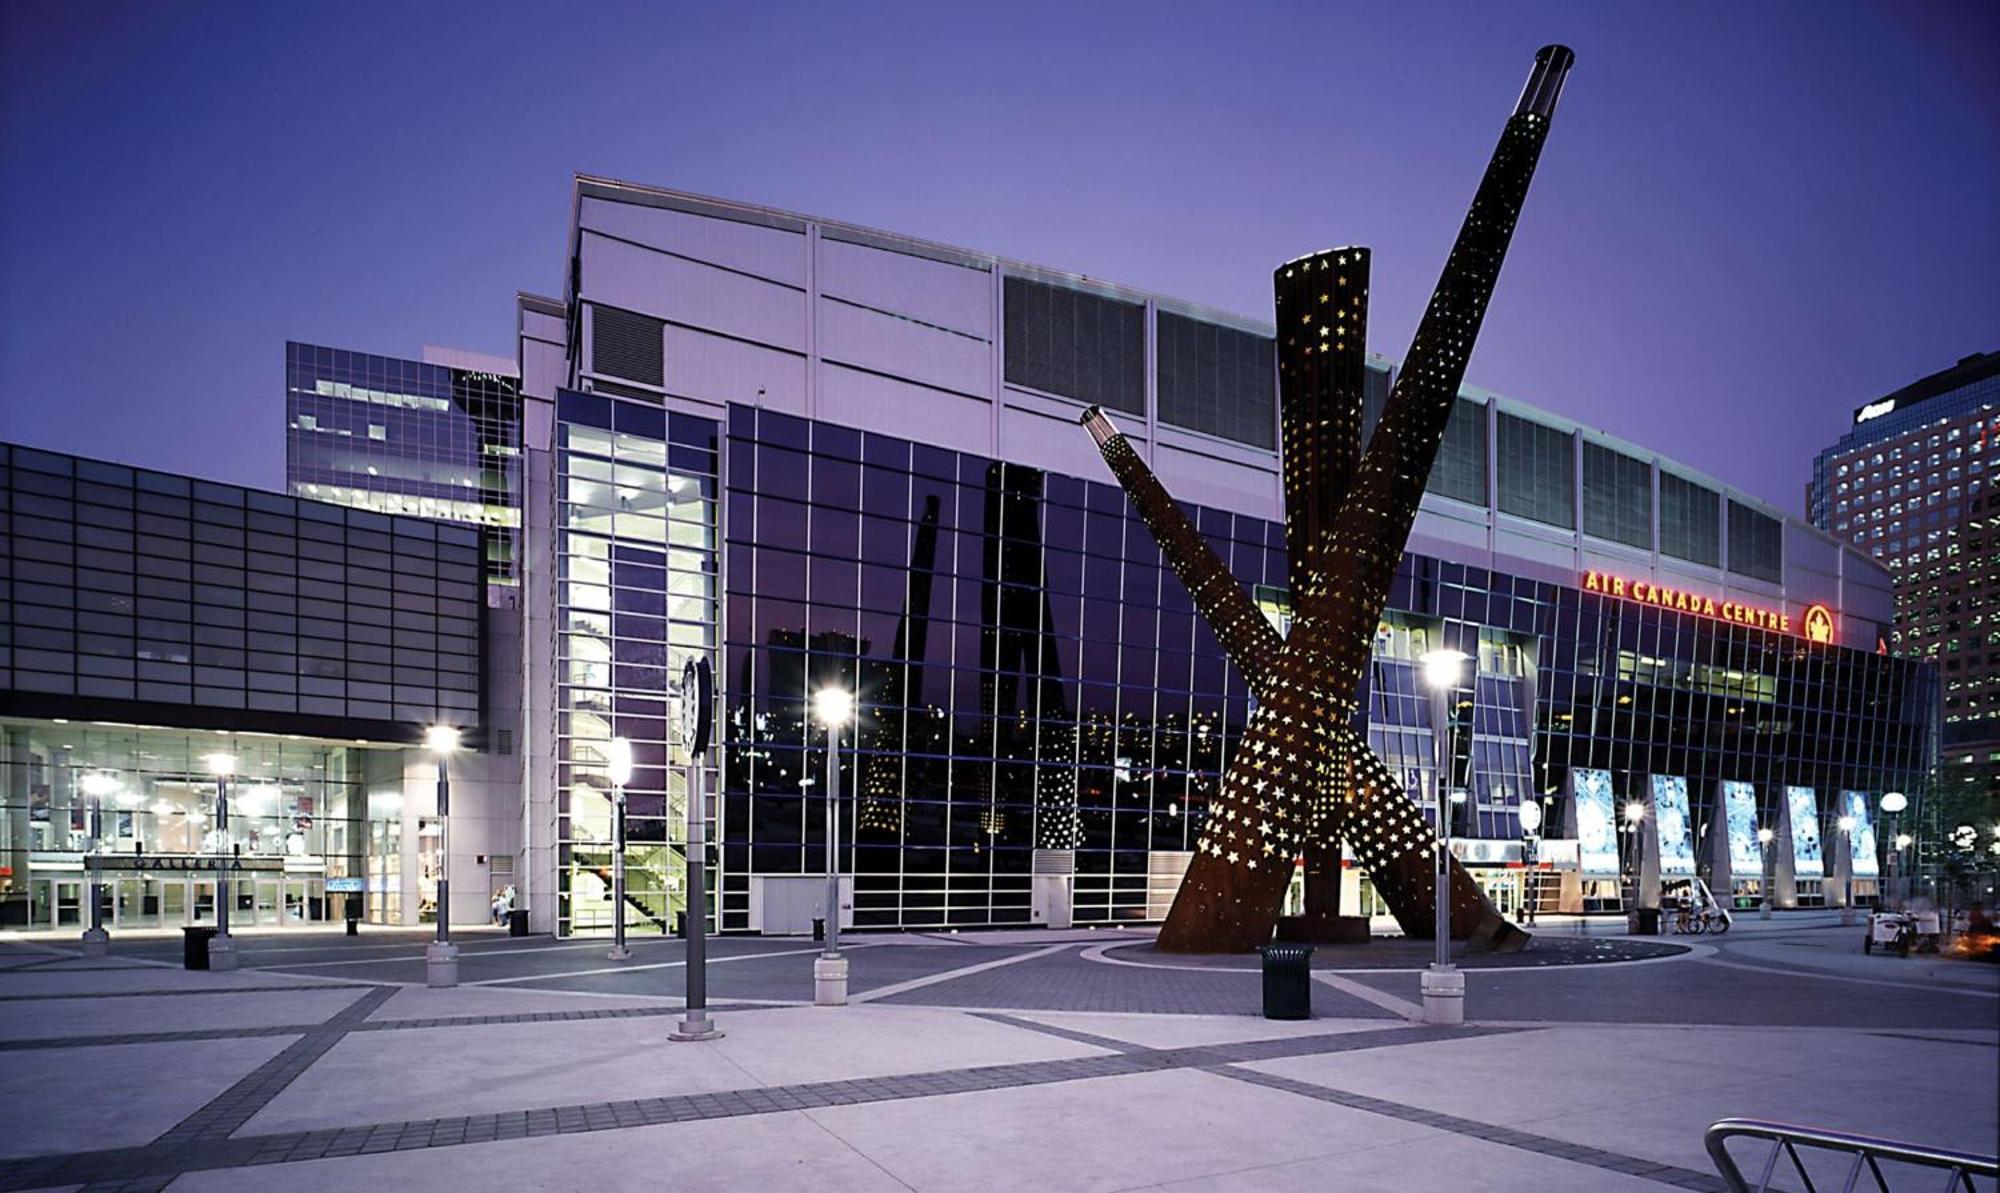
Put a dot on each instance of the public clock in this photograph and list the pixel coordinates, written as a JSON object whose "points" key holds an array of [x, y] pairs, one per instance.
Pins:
{"points": [[697, 706]]}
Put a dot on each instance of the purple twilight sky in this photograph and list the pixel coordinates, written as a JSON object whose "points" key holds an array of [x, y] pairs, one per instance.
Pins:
{"points": [[1749, 219]]}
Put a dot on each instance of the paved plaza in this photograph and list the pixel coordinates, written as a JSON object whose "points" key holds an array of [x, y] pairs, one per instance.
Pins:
{"points": [[1034, 1060]]}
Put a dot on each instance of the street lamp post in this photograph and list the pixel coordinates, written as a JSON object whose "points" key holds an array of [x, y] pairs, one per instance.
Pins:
{"points": [[620, 760], [697, 715], [1635, 858], [1846, 824], [1443, 984], [222, 946], [834, 705], [441, 956], [97, 784], [1531, 827], [1893, 803], [1764, 836]]}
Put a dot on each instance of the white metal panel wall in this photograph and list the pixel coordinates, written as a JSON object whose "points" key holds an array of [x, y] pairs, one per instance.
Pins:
{"points": [[719, 370], [773, 253], [951, 296], [693, 294], [901, 348], [905, 410]]}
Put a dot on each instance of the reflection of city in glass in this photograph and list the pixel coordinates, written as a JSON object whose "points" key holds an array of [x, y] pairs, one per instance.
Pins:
{"points": [[1806, 859], [1746, 854], [1595, 830], [1670, 809], [1861, 841]]}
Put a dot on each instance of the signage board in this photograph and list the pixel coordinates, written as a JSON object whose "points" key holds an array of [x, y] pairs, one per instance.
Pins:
{"points": [[1670, 816], [1815, 624], [344, 886], [1861, 839], [1739, 808], [164, 863], [1807, 860], [1596, 828]]}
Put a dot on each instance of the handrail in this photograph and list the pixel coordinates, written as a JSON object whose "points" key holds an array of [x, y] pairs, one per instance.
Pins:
{"points": [[1867, 1151]]}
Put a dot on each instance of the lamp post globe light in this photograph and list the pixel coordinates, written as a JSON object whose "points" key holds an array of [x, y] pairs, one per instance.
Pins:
{"points": [[1764, 836], [618, 760], [834, 706], [1893, 804], [1632, 819], [441, 956], [1443, 984], [221, 946], [97, 784], [1846, 825]]}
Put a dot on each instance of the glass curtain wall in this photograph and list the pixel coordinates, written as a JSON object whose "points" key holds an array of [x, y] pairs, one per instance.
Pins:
{"points": [[72, 790], [636, 531], [1031, 681]]}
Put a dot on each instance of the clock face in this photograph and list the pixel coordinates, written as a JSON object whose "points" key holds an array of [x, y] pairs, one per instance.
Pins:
{"points": [[697, 694]]}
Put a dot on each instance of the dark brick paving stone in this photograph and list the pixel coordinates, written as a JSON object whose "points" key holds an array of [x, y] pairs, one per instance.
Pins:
{"points": [[192, 993]]}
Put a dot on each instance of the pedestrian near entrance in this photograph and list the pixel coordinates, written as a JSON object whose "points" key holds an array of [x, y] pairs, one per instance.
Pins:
{"points": [[500, 908]]}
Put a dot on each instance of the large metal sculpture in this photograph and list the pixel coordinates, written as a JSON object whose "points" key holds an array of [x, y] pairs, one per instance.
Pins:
{"points": [[1302, 778]]}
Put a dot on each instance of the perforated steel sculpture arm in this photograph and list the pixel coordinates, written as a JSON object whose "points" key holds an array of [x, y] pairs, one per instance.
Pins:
{"points": [[1271, 803], [1349, 775]]}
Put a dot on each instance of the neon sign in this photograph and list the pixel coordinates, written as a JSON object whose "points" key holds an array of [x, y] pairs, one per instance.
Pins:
{"points": [[1817, 623]]}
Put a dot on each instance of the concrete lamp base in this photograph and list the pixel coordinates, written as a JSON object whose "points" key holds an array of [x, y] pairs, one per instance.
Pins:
{"points": [[96, 942], [222, 953], [830, 981], [619, 953], [1444, 997], [440, 965], [694, 1028]]}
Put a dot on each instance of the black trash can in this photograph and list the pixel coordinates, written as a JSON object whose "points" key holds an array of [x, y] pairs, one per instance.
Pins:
{"points": [[1649, 921], [819, 927], [1287, 981], [194, 947], [517, 922], [681, 924]]}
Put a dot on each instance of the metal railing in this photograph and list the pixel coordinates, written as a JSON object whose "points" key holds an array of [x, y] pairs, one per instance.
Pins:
{"points": [[1864, 1154]]}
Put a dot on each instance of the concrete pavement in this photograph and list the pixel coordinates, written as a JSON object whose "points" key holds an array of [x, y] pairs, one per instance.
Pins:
{"points": [[1029, 1060]]}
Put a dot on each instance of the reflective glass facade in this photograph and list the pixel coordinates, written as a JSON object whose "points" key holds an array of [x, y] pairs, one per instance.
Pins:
{"points": [[1034, 686], [144, 597], [636, 584], [405, 437]]}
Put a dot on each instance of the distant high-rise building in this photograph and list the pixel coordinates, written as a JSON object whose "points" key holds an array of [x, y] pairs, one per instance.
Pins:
{"points": [[1912, 484], [437, 438]]}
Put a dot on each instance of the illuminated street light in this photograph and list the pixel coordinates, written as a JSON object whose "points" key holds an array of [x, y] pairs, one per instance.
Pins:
{"points": [[834, 706], [97, 784], [1635, 811], [618, 759], [441, 956], [1893, 803], [1443, 986]]}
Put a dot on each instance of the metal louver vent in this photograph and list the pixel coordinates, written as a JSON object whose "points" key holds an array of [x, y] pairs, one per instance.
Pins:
{"points": [[626, 345]]}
